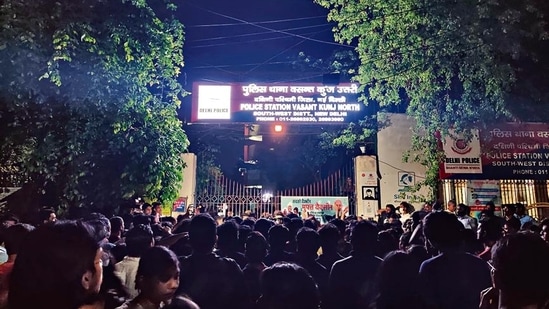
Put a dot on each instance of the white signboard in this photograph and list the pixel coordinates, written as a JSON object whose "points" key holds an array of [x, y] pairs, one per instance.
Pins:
{"points": [[462, 156], [214, 102]]}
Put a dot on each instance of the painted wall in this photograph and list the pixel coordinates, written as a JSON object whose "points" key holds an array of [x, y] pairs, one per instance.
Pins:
{"points": [[188, 187], [397, 176]]}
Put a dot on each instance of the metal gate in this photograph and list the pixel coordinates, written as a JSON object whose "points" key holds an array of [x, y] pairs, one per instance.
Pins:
{"points": [[241, 200]]}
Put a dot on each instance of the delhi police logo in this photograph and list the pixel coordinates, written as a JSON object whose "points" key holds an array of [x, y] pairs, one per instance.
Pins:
{"points": [[460, 146]]}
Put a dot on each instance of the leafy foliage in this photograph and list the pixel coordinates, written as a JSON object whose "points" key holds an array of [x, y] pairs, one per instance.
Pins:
{"points": [[453, 64], [89, 95]]}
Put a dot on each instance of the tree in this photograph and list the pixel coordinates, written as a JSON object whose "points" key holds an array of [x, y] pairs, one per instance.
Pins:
{"points": [[453, 64], [89, 95]]}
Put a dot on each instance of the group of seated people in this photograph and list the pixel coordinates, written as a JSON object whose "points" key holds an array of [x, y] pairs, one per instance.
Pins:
{"points": [[433, 260]]}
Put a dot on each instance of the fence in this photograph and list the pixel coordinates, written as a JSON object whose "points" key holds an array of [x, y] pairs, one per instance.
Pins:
{"points": [[240, 198], [532, 193]]}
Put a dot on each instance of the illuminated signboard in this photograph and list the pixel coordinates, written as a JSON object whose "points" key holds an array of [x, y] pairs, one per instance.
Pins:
{"points": [[257, 103]]}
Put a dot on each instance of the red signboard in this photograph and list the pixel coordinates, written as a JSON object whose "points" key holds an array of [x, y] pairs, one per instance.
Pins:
{"points": [[512, 151]]}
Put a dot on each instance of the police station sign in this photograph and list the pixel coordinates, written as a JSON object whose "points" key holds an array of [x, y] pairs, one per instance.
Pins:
{"points": [[282, 103]]}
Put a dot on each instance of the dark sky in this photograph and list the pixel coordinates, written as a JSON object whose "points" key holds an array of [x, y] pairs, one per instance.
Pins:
{"points": [[238, 40]]}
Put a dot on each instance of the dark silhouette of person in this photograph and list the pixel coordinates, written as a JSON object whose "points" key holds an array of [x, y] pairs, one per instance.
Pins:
{"points": [[397, 282], [278, 237], [288, 286], [227, 243], [208, 279], [352, 280], [453, 278], [520, 272], [256, 251], [308, 243], [329, 237]]}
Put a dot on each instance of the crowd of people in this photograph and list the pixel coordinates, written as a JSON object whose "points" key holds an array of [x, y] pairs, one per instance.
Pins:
{"points": [[435, 257]]}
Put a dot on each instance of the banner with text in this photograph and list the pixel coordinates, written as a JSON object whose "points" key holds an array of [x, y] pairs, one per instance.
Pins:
{"points": [[282, 103], [511, 151], [323, 208], [480, 192]]}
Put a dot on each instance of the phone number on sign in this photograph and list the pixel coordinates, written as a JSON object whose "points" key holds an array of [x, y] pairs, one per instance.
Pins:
{"points": [[530, 172]]}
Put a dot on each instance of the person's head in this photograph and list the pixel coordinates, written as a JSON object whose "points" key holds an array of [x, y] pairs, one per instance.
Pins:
{"points": [[404, 241], [157, 207], [47, 215], [489, 231], [147, 209], [117, 226], [296, 211], [364, 237], [101, 226], [286, 285], [8, 220], [308, 241], [511, 226], [14, 237], [157, 276], [520, 209], [329, 236], [227, 236], [509, 210], [396, 264], [462, 210], [544, 230], [451, 206], [520, 263], [256, 247], [405, 208], [59, 265], [427, 207], [338, 205], [202, 233], [278, 237], [262, 226], [490, 206], [442, 230], [139, 239], [390, 208]]}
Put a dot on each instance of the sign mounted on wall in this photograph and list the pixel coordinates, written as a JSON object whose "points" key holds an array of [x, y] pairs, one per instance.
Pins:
{"points": [[283, 103]]}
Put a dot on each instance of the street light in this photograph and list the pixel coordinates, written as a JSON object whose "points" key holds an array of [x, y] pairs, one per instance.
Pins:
{"points": [[278, 128]]}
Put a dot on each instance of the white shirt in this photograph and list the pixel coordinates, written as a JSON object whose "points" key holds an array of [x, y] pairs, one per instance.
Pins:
{"points": [[126, 270], [469, 223]]}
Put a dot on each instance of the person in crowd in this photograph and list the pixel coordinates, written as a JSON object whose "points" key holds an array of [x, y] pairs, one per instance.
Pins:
{"points": [[157, 279], [294, 226], [157, 211], [354, 276], [102, 230], [256, 251], [404, 241], [386, 213], [117, 229], [289, 286], [243, 232], [308, 243], [386, 242], [405, 210], [466, 274], [329, 236], [147, 209], [427, 207], [227, 243], [509, 211], [13, 239], [138, 240], [451, 207], [398, 283], [419, 254], [544, 230], [471, 243], [47, 216], [489, 232], [524, 218], [343, 245], [8, 220], [262, 226], [463, 214], [211, 281], [278, 237], [511, 226], [519, 273], [58, 266]]}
